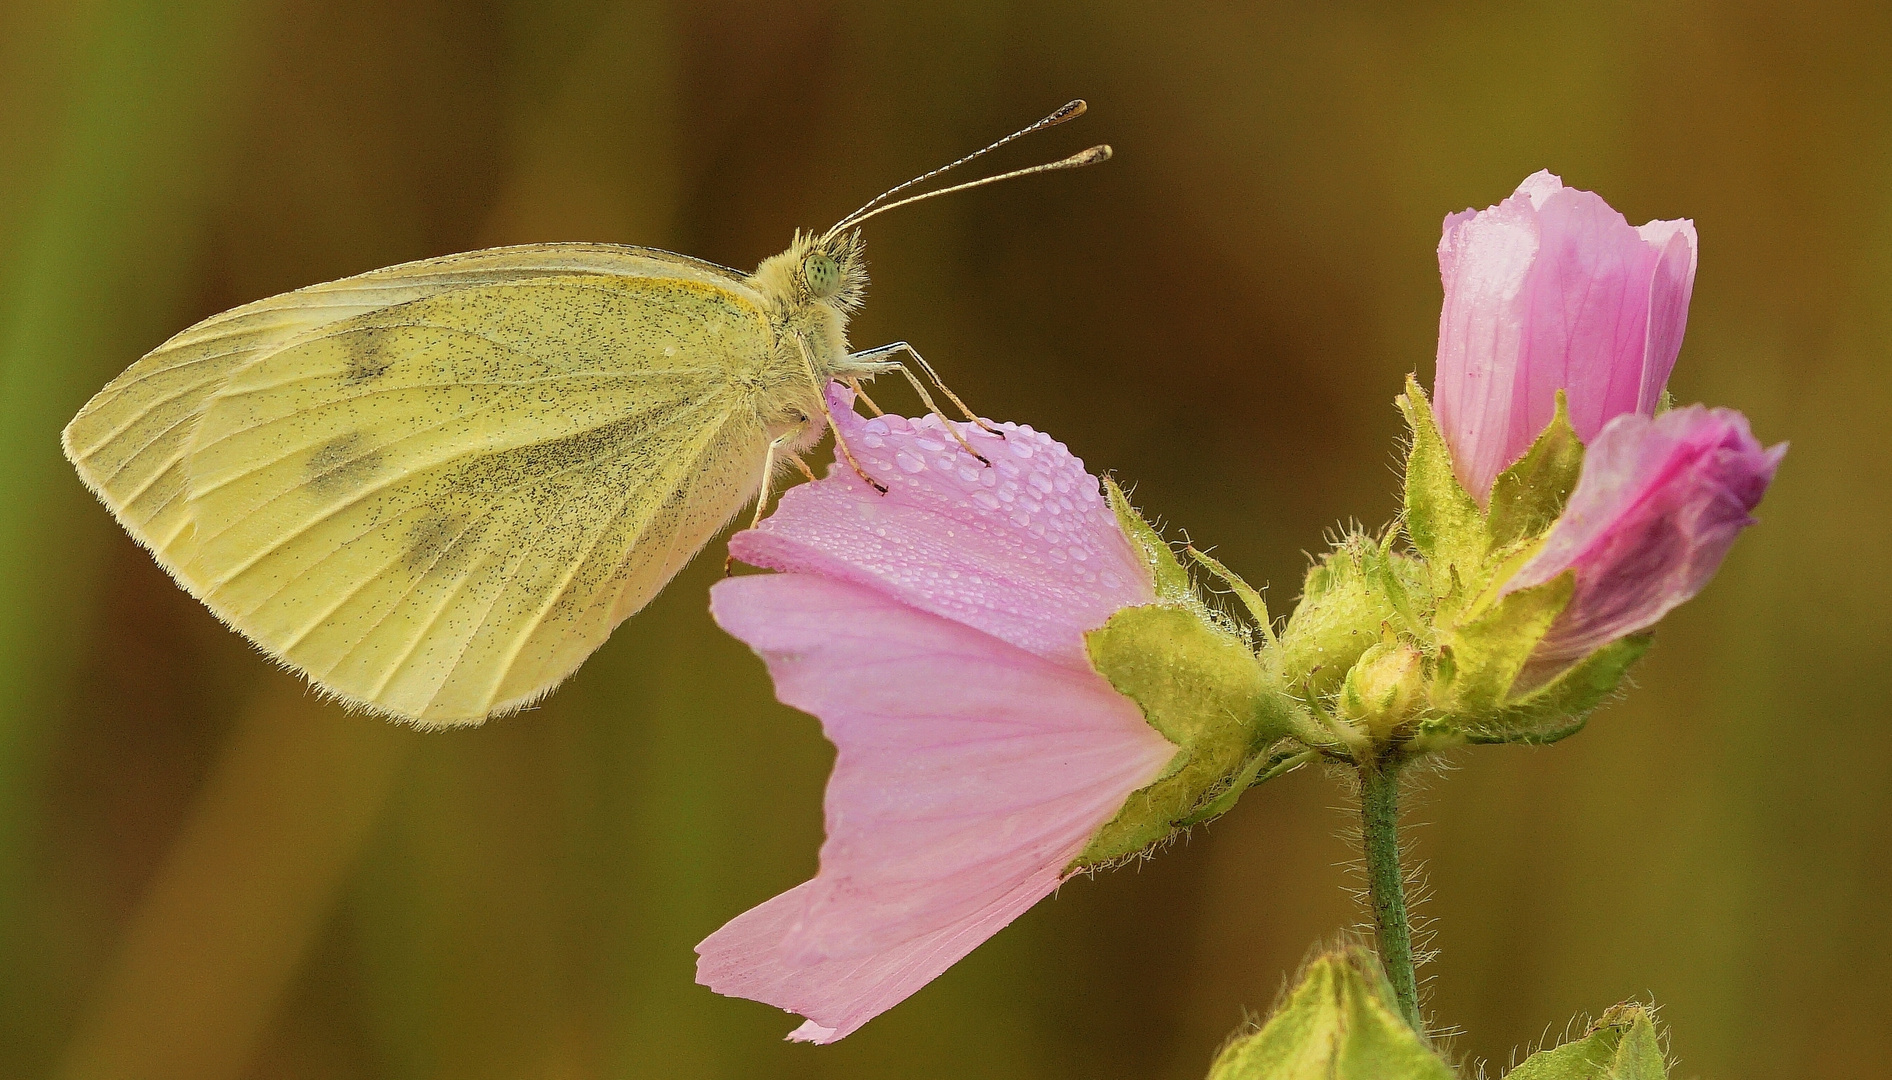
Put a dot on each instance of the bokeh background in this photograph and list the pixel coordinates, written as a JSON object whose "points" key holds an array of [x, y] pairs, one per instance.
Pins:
{"points": [[207, 873]]}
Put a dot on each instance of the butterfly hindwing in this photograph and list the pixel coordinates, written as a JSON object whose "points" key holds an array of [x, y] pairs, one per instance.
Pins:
{"points": [[437, 508]]}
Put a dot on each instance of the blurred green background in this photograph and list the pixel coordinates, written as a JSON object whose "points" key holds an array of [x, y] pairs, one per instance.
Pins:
{"points": [[206, 873]]}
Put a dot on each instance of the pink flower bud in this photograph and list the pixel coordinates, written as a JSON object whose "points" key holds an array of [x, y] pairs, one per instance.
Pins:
{"points": [[1551, 289], [938, 633], [1658, 505]]}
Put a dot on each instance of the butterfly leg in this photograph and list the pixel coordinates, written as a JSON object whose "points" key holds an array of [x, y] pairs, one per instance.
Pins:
{"points": [[951, 427], [855, 385], [904, 347], [840, 443], [768, 476]]}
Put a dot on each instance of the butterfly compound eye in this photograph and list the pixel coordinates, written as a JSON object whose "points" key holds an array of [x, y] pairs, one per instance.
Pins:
{"points": [[822, 273]]}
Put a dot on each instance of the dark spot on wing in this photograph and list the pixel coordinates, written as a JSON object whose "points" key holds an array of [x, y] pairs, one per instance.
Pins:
{"points": [[342, 464], [369, 353], [441, 542]]}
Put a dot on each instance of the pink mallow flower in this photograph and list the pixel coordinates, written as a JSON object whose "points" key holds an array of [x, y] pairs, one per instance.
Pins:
{"points": [[937, 631], [1553, 290], [1657, 506]]}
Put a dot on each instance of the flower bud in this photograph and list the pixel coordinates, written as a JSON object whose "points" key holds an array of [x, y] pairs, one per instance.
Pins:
{"points": [[1339, 1021], [1350, 594], [1553, 290], [1385, 689], [1657, 507], [1622, 1045]]}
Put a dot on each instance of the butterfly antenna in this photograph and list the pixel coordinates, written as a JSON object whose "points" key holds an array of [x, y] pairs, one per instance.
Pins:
{"points": [[1071, 110], [1076, 161]]}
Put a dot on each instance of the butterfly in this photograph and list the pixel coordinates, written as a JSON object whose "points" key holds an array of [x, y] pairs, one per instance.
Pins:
{"points": [[434, 489]]}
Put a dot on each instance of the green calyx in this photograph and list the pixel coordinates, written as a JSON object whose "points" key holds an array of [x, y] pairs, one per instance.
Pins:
{"points": [[1622, 1045], [1338, 1023], [1203, 690], [1476, 640], [1201, 684]]}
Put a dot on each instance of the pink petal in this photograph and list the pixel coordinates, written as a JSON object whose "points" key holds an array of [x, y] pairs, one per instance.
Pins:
{"points": [[1658, 505], [1553, 290], [1025, 549], [1485, 259], [1669, 291], [969, 774]]}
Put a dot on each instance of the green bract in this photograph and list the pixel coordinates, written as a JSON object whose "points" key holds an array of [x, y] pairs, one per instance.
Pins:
{"points": [[1338, 1023]]}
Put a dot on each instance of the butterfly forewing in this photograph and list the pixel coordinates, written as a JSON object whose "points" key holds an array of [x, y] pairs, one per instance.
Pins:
{"points": [[129, 440], [437, 508]]}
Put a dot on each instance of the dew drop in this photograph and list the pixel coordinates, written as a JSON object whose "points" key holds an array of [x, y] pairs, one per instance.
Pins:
{"points": [[909, 461]]}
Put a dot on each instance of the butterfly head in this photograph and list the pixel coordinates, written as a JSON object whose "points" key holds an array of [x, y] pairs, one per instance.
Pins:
{"points": [[829, 269]]}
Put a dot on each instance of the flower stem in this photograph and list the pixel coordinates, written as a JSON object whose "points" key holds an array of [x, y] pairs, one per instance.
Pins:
{"points": [[1386, 885]]}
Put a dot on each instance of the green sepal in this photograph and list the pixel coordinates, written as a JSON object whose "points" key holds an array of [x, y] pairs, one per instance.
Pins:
{"points": [[1201, 688], [1480, 659], [1529, 497], [1344, 604], [1221, 798], [1338, 1023], [1622, 1045], [1441, 516], [1559, 708], [1166, 574], [1246, 593]]}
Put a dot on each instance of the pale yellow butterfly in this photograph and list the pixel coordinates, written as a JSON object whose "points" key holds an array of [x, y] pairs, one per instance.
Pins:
{"points": [[435, 488]]}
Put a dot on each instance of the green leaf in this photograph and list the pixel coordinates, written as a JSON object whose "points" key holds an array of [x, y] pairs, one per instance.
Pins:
{"points": [[1338, 1023], [1622, 1045], [1529, 497], [1166, 574], [1441, 516], [1481, 659], [1200, 687]]}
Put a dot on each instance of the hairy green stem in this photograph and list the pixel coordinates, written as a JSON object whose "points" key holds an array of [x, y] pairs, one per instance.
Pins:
{"points": [[1386, 885]]}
